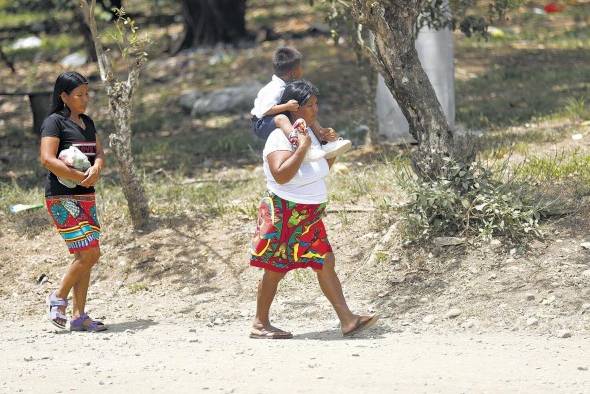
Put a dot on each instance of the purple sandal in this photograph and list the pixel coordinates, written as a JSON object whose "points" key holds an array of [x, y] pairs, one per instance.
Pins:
{"points": [[55, 315], [94, 326]]}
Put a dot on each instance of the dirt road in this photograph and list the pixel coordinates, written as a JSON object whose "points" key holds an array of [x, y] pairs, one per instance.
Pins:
{"points": [[186, 356]]}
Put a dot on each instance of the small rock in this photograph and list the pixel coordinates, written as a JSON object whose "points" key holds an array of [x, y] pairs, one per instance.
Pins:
{"points": [[495, 242], [355, 355], [577, 137], [532, 322], [29, 358], [530, 297], [549, 300], [452, 313], [492, 276], [586, 273], [582, 368], [468, 324], [77, 59], [428, 319], [564, 334], [186, 290], [192, 330], [193, 341], [424, 300], [448, 241], [218, 321], [585, 245], [228, 99], [27, 43], [585, 307]]}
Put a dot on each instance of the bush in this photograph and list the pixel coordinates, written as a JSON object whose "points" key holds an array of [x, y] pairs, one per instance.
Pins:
{"points": [[467, 200]]}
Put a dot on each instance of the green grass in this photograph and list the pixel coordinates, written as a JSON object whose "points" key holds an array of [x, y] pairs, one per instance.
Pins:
{"points": [[10, 20], [562, 167]]}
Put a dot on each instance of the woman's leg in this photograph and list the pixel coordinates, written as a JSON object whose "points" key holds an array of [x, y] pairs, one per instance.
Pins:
{"points": [[332, 289], [89, 257], [267, 289]]}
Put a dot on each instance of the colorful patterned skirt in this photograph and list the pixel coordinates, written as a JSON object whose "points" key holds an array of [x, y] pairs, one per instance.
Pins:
{"points": [[289, 235], [76, 220]]}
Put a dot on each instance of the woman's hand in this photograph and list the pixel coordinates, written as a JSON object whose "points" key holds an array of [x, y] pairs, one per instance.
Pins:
{"points": [[304, 139], [91, 177]]}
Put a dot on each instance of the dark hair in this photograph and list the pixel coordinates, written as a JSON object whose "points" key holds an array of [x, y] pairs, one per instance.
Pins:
{"points": [[66, 82], [300, 90], [285, 59]]}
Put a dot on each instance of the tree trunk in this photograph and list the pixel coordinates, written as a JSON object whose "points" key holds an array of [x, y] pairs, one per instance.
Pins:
{"points": [[208, 22], [87, 34], [394, 55], [120, 94], [120, 142]]}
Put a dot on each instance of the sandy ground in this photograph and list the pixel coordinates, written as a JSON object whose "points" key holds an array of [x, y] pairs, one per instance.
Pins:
{"points": [[190, 356]]}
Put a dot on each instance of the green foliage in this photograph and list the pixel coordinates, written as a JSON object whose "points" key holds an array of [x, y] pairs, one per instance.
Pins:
{"points": [[467, 200], [577, 108], [466, 15], [126, 35]]}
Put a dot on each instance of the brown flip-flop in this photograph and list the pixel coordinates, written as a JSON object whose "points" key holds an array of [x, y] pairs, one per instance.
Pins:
{"points": [[266, 334], [362, 325]]}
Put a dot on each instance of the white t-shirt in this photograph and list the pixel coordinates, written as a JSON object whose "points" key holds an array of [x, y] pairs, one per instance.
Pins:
{"points": [[308, 185], [268, 96]]}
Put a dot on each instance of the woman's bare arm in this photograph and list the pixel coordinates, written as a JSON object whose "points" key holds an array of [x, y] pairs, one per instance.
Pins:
{"points": [[284, 165]]}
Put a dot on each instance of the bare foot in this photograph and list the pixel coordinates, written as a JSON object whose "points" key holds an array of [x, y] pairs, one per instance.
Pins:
{"points": [[359, 323], [268, 331]]}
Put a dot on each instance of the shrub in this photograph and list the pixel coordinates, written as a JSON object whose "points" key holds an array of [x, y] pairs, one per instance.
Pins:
{"points": [[468, 200]]}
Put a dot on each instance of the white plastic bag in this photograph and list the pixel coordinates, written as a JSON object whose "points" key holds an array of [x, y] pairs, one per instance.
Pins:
{"points": [[73, 157]]}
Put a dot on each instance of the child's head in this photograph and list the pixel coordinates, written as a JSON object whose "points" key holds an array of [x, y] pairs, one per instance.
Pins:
{"points": [[70, 93], [287, 63]]}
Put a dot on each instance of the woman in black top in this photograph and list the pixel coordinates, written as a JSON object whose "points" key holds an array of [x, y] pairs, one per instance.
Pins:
{"points": [[73, 210]]}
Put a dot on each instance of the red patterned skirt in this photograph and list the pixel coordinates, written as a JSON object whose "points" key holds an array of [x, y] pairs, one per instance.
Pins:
{"points": [[76, 220], [289, 235]]}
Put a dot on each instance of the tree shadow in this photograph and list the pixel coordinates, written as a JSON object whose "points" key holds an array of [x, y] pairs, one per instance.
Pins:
{"points": [[518, 87]]}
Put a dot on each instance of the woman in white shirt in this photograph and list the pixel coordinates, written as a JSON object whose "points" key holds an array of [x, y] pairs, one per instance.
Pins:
{"points": [[290, 233]]}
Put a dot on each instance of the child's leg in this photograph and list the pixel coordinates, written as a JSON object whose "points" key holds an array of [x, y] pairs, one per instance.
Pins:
{"points": [[283, 123]]}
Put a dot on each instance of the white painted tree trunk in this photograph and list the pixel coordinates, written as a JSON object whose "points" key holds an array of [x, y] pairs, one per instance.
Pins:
{"points": [[435, 51]]}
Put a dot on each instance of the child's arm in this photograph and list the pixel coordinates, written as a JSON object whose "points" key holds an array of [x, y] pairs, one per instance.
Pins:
{"points": [[323, 134], [291, 105]]}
